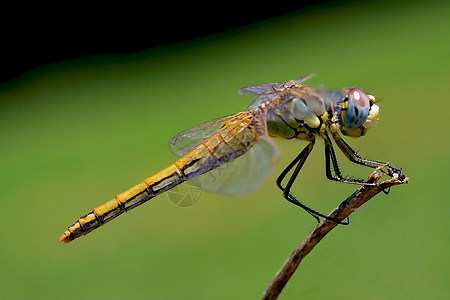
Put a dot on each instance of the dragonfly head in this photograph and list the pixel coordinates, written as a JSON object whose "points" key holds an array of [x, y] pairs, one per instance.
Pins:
{"points": [[358, 113]]}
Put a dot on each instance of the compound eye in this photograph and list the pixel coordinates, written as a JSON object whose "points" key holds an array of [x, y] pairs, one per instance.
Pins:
{"points": [[358, 108]]}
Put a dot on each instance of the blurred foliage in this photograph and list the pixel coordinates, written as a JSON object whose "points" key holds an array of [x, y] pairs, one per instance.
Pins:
{"points": [[78, 132]]}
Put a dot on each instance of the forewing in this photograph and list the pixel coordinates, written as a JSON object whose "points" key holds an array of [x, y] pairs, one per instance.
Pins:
{"points": [[268, 88], [304, 78], [244, 174], [258, 89], [186, 141]]}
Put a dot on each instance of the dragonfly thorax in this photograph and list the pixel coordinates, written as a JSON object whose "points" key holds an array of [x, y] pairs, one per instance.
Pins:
{"points": [[300, 113]]}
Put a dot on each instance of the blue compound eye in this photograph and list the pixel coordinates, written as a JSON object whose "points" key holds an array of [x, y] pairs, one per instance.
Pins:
{"points": [[358, 107]]}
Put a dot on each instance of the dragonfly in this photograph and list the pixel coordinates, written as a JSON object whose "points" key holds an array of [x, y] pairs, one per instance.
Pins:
{"points": [[243, 141]]}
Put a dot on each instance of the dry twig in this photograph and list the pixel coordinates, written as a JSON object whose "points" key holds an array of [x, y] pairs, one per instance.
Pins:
{"points": [[358, 198]]}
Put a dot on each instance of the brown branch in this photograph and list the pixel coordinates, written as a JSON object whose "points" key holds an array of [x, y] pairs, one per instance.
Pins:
{"points": [[358, 198]]}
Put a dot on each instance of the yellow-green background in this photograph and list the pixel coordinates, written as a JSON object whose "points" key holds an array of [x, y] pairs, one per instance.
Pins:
{"points": [[76, 133]]}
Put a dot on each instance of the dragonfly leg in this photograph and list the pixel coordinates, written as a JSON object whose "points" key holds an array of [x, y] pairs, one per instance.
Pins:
{"points": [[330, 155], [331, 163], [354, 157], [299, 161], [301, 157], [351, 154]]}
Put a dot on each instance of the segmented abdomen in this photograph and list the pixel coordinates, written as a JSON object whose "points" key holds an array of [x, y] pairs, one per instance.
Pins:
{"points": [[234, 139]]}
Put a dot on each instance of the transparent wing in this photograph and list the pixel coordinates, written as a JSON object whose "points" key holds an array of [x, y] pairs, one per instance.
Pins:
{"points": [[189, 139], [304, 78], [244, 174], [268, 88], [259, 89]]}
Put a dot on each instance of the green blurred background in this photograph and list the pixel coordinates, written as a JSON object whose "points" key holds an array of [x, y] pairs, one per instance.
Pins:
{"points": [[77, 132]]}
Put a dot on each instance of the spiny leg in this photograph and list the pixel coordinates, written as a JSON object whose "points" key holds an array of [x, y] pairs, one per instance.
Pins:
{"points": [[300, 160], [354, 157], [351, 154], [329, 154], [331, 163]]}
